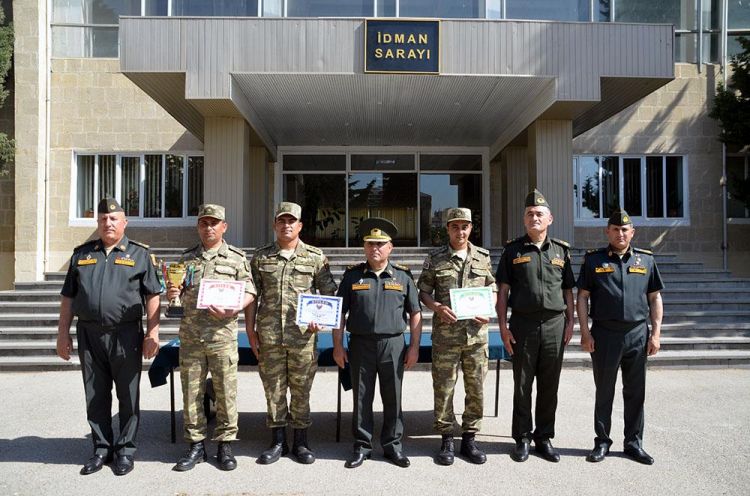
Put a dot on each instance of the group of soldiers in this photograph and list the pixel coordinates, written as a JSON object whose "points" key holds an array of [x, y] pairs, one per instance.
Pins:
{"points": [[112, 281]]}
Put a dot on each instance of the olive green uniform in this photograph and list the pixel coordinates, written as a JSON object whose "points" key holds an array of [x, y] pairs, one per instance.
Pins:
{"points": [[108, 293], [288, 357], [463, 343], [209, 344], [537, 278], [378, 308], [619, 289]]}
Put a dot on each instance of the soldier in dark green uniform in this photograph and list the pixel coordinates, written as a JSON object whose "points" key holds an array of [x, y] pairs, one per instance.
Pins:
{"points": [[623, 284], [380, 298], [536, 281], [109, 282]]}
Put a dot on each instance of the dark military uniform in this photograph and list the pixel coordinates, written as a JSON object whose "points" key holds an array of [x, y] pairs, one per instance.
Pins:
{"points": [[537, 278], [108, 293], [379, 309], [619, 290]]}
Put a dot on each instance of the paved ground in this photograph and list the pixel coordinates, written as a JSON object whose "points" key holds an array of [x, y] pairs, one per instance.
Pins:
{"points": [[698, 429]]}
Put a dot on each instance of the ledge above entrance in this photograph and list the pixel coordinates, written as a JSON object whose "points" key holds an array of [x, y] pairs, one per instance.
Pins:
{"points": [[302, 81]]}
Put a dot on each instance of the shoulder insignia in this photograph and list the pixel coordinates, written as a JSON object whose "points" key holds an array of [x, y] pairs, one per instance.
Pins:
{"points": [[483, 251], [595, 250], [514, 240], [83, 245], [314, 249], [236, 250], [643, 250], [560, 242], [354, 266], [138, 243], [401, 267], [438, 250], [192, 248], [264, 248]]}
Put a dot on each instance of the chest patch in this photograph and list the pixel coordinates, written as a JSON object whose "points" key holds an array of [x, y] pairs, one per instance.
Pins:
{"points": [[636, 269], [394, 286], [360, 287], [87, 261], [558, 262], [521, 260], [604, 270], [125, 261]]}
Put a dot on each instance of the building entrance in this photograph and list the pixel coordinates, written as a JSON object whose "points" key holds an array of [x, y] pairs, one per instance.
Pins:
{"points": [[412, 189]]}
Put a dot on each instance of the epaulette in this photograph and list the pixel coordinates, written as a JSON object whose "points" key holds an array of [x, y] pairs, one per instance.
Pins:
{"points": [[238, 251], [483, 251], [191, 249], [510, 241], [401, 267], [138, 243], [264, 247], [595, 250], [84, 244], [314, 249], [439, 250], [560, 242], [643, 250], [354, 266]]}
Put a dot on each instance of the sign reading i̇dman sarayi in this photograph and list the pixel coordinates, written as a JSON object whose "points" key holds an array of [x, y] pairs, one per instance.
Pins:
{"points": [[405, 46]]}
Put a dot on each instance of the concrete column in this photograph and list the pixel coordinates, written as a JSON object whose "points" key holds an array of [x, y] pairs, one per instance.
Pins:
{"points": [[258, 197], [515, 179], [496, 205], [30, 74], [550, 156]]}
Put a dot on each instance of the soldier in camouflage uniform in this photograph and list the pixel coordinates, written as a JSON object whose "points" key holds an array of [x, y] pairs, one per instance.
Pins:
{"points": [[208, 340], [459, 264], [287, 357]]}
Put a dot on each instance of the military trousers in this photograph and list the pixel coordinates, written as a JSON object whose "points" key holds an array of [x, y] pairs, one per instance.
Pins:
{"points": [[372, 357], [537, 354], [196, 361], [473, 360], [288, 368], [111, 354], [616, 346]]}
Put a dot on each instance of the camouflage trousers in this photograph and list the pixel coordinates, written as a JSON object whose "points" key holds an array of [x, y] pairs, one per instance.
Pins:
{"points": [[473, 360], [196, 360], [285, 368]]}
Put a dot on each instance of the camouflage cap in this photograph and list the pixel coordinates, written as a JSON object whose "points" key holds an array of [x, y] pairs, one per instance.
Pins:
{"points": [[288, 208], [536, 199], [457, 214], [377, 229], [211, 210], [619, 218], [108, 206]]}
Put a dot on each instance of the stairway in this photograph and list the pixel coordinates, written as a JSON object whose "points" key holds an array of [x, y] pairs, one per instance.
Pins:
{"points": [[706, 314]]}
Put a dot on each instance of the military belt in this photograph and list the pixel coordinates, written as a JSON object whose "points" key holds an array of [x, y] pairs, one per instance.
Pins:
{"points": [[617, 325]]}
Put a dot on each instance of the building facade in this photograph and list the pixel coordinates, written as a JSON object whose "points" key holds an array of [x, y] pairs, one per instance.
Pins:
{"points": [[166, 104]]}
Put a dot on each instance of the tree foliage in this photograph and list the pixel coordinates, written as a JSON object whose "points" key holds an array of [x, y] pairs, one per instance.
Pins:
{"points": [[732, 102], [7, 145]]}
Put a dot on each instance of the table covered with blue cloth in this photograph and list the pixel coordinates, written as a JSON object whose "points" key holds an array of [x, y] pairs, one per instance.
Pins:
{"points": [[168, 359]]}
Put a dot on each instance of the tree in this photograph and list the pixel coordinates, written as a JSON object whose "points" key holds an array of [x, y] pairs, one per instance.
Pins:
{"points": [[7, 145]]}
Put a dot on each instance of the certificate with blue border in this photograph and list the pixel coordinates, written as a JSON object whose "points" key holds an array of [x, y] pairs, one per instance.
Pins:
{"points": [[468, 303], [323, 310]]}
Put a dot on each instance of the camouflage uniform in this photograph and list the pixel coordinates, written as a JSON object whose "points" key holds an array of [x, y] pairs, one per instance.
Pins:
{"points": [[209, 344], [463, 342], [288, 357]]}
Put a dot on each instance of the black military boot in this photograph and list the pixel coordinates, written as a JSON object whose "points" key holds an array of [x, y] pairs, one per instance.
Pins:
{"points": [[278, 447], [469, 449], [300, 449], [196, 454], [446, 455], [224, 456]]}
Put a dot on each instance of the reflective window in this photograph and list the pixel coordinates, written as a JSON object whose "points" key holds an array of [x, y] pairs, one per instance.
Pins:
{"points": [[323, 201], [314, 163], [329, 8], [681, 13], [631, 183], [739, 14], [386, 8], [156, 8], [195, 185], [390, 195], [472, 9], [610, 185], [383, 162], [174, 170], [240, 8], [437, 192], [588, 186], [93, 11], [737, 177], [552, 10], [85, 186], [130, 187], [450, 162]]}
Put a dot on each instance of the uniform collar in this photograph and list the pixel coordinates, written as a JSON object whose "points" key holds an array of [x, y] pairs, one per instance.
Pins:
{"points": [[388, 269], [611, 253], [121, 246], [470, 250], [527, 241], [222, 251], [299, 250]]}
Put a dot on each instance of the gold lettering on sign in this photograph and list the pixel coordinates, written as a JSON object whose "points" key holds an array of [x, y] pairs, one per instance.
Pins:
{"points": [[402, 38]]}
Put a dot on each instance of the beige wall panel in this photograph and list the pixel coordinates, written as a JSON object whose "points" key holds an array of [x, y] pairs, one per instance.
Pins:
{"points": [[517, 185]]}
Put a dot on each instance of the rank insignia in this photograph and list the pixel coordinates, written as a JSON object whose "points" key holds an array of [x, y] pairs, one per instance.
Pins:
{"points": [[125, 261], [559, 262], [521, 260], [87, 261], [360, 287], [637, 270], [393, 286], [604, 269]]}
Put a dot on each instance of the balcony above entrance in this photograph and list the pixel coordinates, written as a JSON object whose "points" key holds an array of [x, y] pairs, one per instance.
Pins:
{"points": [[302, 81]]}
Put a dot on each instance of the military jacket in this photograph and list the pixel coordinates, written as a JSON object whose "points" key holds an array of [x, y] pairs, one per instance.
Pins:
{"points": [[280, 282], [226, 263], [111, 289], [619, 287], [536, 276], [441, 273], [378, 304]]}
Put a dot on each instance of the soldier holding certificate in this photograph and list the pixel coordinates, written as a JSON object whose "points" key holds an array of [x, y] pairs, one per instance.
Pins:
{"points": [[464, 343], [208, 339]]}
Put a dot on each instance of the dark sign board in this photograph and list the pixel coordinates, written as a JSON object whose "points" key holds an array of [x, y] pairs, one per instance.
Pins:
{"points": [[405, 46]]}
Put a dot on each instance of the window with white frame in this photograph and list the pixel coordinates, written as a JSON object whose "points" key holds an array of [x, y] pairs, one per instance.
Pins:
{"points": [[148, 186], [646, 186], [738, 186]]}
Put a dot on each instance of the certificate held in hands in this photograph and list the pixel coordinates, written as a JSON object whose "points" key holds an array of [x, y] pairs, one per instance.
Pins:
{"points": [[468, 303], [323, 310], [228, 295]]}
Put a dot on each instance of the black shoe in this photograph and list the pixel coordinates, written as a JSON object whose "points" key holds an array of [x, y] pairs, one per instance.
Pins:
{"points": [[224, 456], [521, 451], [446, 454], [300, 449], [597, 454], [196, 454], [277, 449], [545, 449], [123, 465], [469, 449], [639, 455], [398, 458], [95, 463], [356, 459]]}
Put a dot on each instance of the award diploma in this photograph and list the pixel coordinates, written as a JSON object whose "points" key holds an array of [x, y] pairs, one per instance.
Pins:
{"points": [[323, 310], [468, 303], [221, 293]]}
